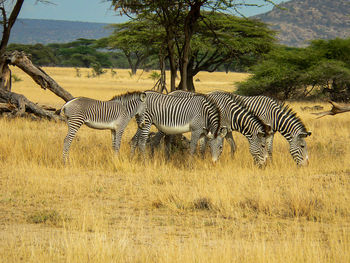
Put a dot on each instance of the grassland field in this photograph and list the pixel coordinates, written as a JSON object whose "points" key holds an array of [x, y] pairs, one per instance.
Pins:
{"points": [[103, 208]]}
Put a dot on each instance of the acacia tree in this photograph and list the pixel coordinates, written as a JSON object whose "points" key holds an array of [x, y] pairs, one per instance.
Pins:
{"points": [[229, 39], [179, 18], [136, 39]]}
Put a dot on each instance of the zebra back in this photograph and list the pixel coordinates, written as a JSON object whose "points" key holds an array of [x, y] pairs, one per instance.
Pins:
{"points": [[277, 114], [192, 103], [236, 116]]}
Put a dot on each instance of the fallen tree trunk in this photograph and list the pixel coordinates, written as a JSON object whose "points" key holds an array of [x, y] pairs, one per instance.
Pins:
{"points": [[336, 109], [21, 60], [19, 105], [7, 107]]}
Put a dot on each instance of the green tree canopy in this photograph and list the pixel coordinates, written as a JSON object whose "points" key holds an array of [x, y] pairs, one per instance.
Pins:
{"points": [[319, 70], [230, 39], [136, 39], [179, 19]]}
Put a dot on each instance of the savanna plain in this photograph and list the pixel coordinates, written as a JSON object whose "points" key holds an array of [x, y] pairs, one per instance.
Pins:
{"points": [[106, 208]]}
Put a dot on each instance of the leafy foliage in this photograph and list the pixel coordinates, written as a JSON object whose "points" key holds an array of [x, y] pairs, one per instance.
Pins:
{"points": [[136, 39], [80, 53], [229, 39], [41, 55], [320, 70]]}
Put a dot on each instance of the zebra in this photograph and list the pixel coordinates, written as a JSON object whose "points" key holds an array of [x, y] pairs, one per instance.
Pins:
{"points": [[237, 118], [114, 115], [175, 115], [282, 119]]}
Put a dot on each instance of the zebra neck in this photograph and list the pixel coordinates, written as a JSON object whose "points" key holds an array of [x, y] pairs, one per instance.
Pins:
{"points": [[242, 122], [287, 124], [131, 106]]}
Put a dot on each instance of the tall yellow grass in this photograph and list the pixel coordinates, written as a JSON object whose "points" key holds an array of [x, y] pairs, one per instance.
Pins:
{"points": [[102, 208]]}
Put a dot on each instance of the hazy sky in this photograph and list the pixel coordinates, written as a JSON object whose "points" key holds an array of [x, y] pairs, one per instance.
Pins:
{"points": [[96, 10]]}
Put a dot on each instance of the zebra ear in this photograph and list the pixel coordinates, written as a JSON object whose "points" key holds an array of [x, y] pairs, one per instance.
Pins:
{"points": [[143, 96], [223, 131]]}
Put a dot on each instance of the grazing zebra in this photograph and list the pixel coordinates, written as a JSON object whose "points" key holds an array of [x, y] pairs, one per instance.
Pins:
{"points": [[114, 114], [282, 119], [237, 118], [176, 115]]}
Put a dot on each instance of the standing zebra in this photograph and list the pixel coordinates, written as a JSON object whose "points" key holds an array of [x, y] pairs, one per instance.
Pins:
{"points": [[282, 119], [237, 118], [114, 115], [176, 115]]}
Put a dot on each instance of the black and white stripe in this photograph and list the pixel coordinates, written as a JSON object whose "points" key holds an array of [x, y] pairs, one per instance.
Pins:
{"points": [[239, 119], [175, 115], [114, 115], [282, 119]]}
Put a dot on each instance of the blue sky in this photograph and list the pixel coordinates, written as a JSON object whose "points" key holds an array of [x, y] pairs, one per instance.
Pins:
{"points": [[95, 10]]}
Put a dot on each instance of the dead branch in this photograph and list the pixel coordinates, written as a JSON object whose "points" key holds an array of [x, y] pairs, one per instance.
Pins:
{"points": [[21, 60], [336, 109], [19, 104], [7, 107]]}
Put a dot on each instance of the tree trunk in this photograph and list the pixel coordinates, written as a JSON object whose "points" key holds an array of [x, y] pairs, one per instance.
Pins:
{"points": [[5, 76], [190, 21], [162, 73], [189, 83], [171, 56], [7, 25], [19, 104]]}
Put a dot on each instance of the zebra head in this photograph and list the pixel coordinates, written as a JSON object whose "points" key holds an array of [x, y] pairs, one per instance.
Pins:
{"points": [[298, 148], [141, 107], [216, 143], [258, 146]]}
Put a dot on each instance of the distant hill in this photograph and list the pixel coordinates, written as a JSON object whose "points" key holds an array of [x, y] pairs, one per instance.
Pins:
{"points": [[304, 20], [32, 31]]}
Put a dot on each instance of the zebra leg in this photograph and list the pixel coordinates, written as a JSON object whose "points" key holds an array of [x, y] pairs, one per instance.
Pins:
{"points": [[168, 140], [229, 139], [143, 135], [117, 136], [155, 141], [135, 139], [134, 142], [269, 143], [73, 127], [195, 136], [202, 145]]}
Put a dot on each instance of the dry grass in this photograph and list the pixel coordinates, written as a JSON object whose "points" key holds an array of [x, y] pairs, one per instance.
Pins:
{"points": [[102, 208]]}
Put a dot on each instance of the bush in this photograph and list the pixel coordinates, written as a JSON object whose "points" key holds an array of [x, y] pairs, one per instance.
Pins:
{"points": [[294, 73]]}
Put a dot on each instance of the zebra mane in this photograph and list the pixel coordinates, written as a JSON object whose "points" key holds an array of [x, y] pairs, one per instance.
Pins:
{"points": [[126, 95], [286, 109], [213, 103]]}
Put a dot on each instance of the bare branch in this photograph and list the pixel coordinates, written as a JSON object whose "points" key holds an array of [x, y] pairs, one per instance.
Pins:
{"points": [[20, 60], [336, 109]]}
